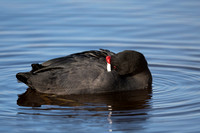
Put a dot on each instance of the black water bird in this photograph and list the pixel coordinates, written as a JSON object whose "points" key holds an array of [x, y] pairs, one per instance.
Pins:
{"points": [[90, 72]]}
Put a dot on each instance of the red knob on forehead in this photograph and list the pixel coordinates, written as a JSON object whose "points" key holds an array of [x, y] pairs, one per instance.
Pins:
{"points": [[108, 59]]}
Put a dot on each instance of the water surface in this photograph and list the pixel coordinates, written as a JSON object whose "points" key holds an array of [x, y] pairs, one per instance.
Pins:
{"points": [[167, 33]]}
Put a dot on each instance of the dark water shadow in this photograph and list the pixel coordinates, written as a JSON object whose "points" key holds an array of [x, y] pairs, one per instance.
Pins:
{"points": [[119, 111], [128, 100]]}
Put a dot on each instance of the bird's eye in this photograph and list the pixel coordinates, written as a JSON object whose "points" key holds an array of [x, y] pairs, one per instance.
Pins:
{"points": [[114, 67]]}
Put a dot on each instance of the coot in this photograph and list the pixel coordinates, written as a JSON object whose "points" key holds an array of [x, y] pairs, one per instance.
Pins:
{"points": [[89, 72]]}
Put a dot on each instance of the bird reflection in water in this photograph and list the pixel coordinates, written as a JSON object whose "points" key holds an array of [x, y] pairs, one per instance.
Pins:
{"points": [[129, 103], [118, 100]]}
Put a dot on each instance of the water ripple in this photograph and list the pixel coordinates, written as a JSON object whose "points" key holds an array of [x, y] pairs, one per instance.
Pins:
{"points": [[167, 33]]}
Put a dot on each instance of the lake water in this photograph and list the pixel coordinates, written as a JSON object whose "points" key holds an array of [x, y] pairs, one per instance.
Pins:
{"points": [[166, 32]]}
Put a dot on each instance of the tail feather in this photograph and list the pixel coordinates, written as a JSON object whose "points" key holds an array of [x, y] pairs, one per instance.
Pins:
{"points": [[23, 77], [36, 67]]}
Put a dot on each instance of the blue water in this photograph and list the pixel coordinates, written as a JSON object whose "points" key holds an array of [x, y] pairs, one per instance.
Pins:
{"points": [[166, 32]]}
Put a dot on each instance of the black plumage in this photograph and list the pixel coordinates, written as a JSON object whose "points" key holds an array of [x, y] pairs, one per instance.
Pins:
{"points": [[85, 73]]}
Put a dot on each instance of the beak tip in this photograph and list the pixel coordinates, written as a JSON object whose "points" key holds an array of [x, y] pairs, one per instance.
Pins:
{"points": [[108, 67]]}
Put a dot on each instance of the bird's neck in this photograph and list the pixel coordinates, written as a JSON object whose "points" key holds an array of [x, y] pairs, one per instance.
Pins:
{"points": [[141, 80]]}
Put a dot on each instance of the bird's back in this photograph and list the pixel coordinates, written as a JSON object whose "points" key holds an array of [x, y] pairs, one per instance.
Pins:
{"points": [[74, 74]]}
